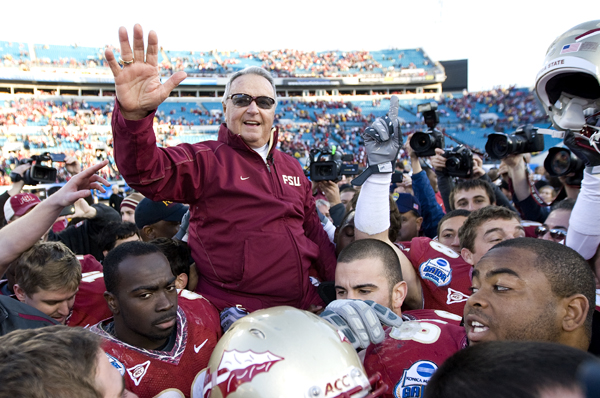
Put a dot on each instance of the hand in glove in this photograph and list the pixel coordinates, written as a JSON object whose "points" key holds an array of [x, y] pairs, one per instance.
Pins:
{"points": [[580, 145], [360, 321], [383, 140]]}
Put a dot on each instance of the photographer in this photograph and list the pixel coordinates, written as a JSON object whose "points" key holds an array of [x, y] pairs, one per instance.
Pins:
{"points": [[431, 211], [15, 189], [446, 183]]}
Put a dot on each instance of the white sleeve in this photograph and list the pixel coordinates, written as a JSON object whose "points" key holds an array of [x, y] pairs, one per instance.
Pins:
{"points": [[583, 235], [373, 205]]}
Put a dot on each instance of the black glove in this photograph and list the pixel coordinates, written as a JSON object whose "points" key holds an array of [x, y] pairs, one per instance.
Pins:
{"points": [[383, 140], [580, 145]]}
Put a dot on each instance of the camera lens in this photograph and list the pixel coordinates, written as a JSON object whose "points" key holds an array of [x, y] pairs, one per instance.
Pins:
{"points": [[561, 162], [325, 171], [420, 142], [452, 163], [499, 146]]}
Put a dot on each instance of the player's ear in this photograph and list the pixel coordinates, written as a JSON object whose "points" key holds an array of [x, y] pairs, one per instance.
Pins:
{"points": [[148, 231], [399, 293], [576, 308], [19, 292], [112, 302], [467, 255], [181, 281]]}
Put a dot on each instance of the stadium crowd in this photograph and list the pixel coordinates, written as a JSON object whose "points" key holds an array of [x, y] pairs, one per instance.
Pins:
{"points": [[229, 273]]}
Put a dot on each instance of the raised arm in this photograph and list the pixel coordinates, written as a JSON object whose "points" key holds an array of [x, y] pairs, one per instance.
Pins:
{"points": [[20, 235], [137, 82], [372, 220]]}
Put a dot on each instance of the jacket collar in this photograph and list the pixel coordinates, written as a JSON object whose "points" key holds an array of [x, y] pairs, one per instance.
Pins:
{"points": [[236, 141]]}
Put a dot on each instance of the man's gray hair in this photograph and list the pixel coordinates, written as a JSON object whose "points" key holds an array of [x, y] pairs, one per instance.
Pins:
{"points": [[251, 70]]}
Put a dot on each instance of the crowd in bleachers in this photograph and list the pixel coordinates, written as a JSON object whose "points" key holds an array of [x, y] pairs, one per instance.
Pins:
{"points": [[71, 127]]}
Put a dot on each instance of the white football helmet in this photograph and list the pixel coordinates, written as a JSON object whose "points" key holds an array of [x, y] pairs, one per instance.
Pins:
{"points": [[569, 83], [286, 352]]}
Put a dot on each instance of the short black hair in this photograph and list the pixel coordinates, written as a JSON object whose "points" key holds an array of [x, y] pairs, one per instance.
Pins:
{"points": [[565, 204], [177, 252], [117, 255], [565, 269], [373, 248], [497, 369], [452, 214], [467, 185], [116, 230]]}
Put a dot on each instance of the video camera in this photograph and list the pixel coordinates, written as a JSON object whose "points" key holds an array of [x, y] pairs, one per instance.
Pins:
{"points": [[38, 172], [327, 164], [424, 143], [525, 140], [459, 162]]}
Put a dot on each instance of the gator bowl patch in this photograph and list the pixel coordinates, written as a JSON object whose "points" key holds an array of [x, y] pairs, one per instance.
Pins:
{"points": [[436, 270]]}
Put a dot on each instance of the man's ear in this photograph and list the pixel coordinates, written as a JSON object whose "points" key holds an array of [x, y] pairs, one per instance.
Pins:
{"points": [[467, 255], [181, 281], [419, 222], [576, 309], [112, 302], [398, 295], [19, 292], [148, 231]]}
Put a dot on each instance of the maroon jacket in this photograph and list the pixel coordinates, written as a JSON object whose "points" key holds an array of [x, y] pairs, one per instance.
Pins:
{"points": [[254, 231]]}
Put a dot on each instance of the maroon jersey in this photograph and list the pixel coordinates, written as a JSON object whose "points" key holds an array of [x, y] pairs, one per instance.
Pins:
{"points": [[410, 354], [148, 373], [89, 307], [445, 276]]}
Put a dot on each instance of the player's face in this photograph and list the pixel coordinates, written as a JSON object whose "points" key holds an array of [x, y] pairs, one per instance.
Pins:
{"points": [[57, 304], [411, 224], [128, 215], [489, 234], [449, 232], [472, 199], [511, 300], [165, 229], [254, 124], [363, 280], [558, 219], [109, 382], [147, 301]]}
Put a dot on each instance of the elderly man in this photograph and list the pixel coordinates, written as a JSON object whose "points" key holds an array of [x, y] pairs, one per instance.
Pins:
{"points": [[254, 231]]}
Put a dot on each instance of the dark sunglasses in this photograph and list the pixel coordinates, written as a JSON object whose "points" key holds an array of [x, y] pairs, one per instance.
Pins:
{"points": [[244, 100], [556, 234]]}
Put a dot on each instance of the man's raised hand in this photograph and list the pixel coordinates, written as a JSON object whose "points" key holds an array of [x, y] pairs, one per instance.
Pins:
{"points": [[137, 83], [382, 143]]}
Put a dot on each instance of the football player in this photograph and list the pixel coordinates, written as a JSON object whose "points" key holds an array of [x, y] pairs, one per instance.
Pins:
{"points": [[160, 340]]}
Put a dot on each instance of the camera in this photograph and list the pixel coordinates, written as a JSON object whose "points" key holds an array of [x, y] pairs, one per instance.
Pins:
{"points": [[424, 143], [327, 164], [38, 172], [525, 140], [560, 162], [459, 162]]}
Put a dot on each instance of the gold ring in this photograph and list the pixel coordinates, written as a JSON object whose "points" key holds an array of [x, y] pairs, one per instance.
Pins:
{"points": [[121, 61]]}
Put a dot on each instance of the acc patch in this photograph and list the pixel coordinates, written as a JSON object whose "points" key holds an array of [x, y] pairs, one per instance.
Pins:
{"points": [[437, 270], [414, 379], [116, 363]]}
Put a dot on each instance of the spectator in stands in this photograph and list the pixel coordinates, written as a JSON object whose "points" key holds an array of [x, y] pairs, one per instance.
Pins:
{"points": [[47, 277], [202, 175], [158, 219], [55, 362], [521, 368], [115, 199], [128, 206]]}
